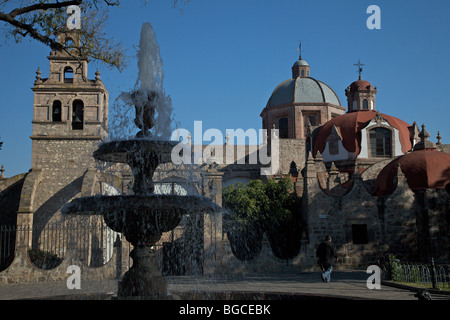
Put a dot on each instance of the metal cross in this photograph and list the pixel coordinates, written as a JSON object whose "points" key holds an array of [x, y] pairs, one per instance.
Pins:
{"points": [[360, 69], [300, 49]]}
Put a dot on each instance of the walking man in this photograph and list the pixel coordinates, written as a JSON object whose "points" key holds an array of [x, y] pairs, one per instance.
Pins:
{"points": [[326, 252]]}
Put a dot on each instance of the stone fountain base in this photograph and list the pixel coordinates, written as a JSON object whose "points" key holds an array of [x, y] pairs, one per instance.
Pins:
{"points": [[141, 219]]}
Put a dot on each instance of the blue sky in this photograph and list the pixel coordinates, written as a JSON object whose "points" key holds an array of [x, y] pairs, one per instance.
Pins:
{"points": [[223, 59]]}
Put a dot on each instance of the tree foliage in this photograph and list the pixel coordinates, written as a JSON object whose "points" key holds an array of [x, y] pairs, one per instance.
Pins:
{"points": [[273, 208], [43, 20]]}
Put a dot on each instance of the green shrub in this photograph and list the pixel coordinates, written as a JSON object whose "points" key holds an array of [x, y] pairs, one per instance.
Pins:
{"points": [[44, 259]]}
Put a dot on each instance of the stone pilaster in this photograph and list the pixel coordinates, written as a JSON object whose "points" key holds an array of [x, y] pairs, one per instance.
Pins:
{"points": [[26, 209], [212, 223]]}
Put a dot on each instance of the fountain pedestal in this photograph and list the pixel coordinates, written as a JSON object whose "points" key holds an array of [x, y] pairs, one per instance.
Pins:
{"points": [[143, 280]]}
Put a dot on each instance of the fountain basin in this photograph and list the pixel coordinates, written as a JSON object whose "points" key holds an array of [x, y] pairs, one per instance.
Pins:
{"points": [[141, 218]]}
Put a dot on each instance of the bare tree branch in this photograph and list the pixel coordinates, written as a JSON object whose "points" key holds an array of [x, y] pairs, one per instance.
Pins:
{"points": [[42, 20], [31, 31], [43, 6]]}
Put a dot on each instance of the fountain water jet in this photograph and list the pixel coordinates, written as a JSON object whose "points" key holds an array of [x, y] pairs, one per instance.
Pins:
{"points": [[143, 216]]}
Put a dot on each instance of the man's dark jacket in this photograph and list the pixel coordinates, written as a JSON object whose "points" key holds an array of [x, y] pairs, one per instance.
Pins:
{"points": [[326, 252]]}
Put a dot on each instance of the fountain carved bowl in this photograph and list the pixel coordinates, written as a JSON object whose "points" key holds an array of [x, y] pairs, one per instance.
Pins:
{"points": [[141, 218], [128, 151], [144, 216]]}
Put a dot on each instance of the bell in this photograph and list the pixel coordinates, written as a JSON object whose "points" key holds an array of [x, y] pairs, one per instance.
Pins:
{"points": [[77, 119], [57, 111]]}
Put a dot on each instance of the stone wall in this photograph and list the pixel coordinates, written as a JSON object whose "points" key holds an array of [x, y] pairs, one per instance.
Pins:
{"points": [[63, 163], [291, 150], [364, 228], [10, 191], [23, 270]]}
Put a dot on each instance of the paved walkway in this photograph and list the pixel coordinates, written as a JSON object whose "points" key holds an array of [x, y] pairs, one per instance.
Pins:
{"points": [[344, 285]]}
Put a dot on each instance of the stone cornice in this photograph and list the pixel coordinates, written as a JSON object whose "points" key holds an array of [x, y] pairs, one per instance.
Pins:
{"points": [[83, 87], [303, 104], [66, 137]]}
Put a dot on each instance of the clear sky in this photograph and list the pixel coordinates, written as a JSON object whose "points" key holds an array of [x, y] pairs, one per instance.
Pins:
{"points": [[223, 58]]}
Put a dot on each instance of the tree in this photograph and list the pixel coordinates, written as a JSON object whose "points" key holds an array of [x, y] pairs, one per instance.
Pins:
{"points": [[243, 224], [273, 208], [43, 20]]}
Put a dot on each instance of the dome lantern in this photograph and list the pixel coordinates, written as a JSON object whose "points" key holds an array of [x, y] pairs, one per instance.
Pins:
{"points": [[300, 69], [360, 94]]}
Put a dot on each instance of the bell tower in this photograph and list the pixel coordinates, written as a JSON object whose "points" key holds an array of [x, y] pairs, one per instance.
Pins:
{"points": [[360, 94], [70, 116]]}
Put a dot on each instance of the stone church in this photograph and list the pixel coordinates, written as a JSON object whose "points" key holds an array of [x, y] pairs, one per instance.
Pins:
{"points": [[374, 182]]}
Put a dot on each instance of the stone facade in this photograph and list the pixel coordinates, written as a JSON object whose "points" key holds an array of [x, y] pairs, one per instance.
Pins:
{"points": [[71, 119]]}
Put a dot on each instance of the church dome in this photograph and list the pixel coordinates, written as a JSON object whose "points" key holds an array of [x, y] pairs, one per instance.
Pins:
{"points": [[301, 62], [423, 169], [361, 85], [302, 89]]}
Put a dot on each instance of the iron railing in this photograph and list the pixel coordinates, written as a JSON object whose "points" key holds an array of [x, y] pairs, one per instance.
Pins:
{"points": [[432, 275], [7, 244], [93, 243]]}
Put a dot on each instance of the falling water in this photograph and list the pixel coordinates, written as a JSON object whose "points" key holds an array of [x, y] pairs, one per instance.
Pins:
{"points": [[150, 80]]}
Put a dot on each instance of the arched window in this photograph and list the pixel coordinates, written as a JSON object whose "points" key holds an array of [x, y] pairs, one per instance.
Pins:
{"points": [[380, 142], [365, 104], [283, 128], [56, 111], [303, 73], [69, 42], [77, 115], [68, 75]]}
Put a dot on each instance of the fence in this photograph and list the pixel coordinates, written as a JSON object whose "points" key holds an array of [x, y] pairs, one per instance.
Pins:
{"points": [[93, 243], [436, 276], [7, 245]]}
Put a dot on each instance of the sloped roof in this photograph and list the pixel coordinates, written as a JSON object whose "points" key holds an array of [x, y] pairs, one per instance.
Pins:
{"points": [[350, 126], [423, 169]]}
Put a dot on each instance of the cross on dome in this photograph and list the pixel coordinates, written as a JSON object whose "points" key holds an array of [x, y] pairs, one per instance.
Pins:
{"points": [[360, 69], [300, 49]]}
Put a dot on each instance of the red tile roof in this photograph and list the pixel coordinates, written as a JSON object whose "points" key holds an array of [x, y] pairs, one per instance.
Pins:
{"points": [[423, 169], [350, 126]]}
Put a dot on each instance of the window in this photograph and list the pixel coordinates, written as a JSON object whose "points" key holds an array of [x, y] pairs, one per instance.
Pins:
{"points": [[359, 234], [365, 105], [333, 147], [56, 111], [283, 128], [311, 118], [303, 73], [77, 115], [68, 75], [380, 142], [69, 42]]}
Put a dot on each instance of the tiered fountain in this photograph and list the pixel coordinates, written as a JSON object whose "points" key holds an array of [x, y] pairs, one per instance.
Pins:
{"points": [[143, 216]]}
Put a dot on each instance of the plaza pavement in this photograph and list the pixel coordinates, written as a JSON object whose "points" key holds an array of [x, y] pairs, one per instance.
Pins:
{"points": [[348, 285]]}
